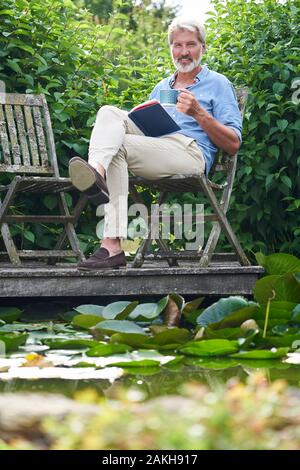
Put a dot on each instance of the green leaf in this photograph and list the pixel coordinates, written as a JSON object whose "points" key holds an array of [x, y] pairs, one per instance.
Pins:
{"points": [[12, 341], [70, 343], [163, 335], [110, 327], [10, 314], [90, 309], [118, 310], [285, 287], [237, 317], [108, 349], [148, 311], [85, 321], [280, 263], [262, 354], [282, 124], [29, 235], [278, 309], [50, 201], [131, 339], [210, 347], [221, 309]]}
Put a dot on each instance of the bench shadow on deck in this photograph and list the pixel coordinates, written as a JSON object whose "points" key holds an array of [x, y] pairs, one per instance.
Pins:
{"points": [[65, 280]]}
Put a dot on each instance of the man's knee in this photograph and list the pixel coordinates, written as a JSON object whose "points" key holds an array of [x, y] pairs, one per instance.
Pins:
{"points": [[109, 110]]}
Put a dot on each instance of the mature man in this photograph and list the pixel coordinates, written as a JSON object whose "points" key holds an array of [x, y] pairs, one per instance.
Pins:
{"points": [[208, 115]]}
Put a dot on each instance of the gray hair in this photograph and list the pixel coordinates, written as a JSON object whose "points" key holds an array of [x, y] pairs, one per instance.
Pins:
{"points": [[182, 22]]}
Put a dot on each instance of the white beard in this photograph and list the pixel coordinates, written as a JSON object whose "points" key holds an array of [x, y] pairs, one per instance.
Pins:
{"points": [[188, 67]]}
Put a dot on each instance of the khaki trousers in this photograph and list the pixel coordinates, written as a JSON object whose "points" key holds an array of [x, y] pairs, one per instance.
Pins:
{"points": [[118, 145]]}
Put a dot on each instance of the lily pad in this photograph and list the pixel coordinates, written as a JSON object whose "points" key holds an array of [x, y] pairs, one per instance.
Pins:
{"points": [[13, 340], [110, 327], [262, 353], [148, 311], [279, 263], [285, 287], [118, 310], [210, 347], [10, 314], [86, 321], [221, 309], [90, 309], [131, 339], [70, 343], [163, 335], [108, 349]]}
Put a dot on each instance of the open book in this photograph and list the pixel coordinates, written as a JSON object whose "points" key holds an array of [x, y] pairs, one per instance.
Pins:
{"points": [[152, 119]]}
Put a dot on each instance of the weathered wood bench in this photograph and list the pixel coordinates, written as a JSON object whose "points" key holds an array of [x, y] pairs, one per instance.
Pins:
{"points": [[27, 150]]}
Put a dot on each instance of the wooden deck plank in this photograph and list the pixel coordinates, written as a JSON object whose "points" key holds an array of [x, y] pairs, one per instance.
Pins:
{"points": [[67, 281]]}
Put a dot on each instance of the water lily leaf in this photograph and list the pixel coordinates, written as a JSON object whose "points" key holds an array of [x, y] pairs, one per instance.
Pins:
{"points": [[225, 333], [110, 327], [134, 340], [191, 306], [108, 349], [221, 309], [13, 340], [10, 314], [138, 363], [210, 347], [172, 312], [262, 353], [278, 309], [163, 335], [288, 340], [86, 321], [218, 363], [90, 309], [22, 327], [148, 311], [70, 343], [271, 323], [118, 310], [237, 318], [296, 314], [280, 263], [285, 287], [282, 330]]}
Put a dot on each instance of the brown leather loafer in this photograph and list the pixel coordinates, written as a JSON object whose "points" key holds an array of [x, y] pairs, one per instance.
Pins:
{"points": [[101, 260], [87, 180]]}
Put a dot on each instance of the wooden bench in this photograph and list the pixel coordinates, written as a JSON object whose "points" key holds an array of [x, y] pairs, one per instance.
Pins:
{"points": [[27, 149], [195, 183]]}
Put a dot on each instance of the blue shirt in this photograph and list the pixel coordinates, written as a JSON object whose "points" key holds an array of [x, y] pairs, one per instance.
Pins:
{"points": [[216, 94]]}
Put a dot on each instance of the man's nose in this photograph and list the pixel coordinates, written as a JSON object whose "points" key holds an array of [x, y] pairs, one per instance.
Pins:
{"points": [[185, 51]]}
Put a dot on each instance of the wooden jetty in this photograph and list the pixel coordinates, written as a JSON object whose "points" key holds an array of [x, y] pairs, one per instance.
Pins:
{"points": [[152, 279]]}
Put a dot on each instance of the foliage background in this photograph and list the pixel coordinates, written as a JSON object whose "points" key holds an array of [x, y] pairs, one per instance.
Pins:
{"points": [[116, 52]]}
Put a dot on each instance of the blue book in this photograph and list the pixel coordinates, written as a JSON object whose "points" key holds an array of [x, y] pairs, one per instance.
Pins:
{"points": [[152, 119]]}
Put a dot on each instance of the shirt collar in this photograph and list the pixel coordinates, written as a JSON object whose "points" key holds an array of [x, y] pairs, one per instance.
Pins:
{"points": [[203, 72]]}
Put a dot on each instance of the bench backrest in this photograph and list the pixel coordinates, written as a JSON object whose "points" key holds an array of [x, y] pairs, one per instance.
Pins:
{"points": [[26, 137]]}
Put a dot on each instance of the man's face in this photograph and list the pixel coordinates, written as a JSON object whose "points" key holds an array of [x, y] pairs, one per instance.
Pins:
{"points": [[186, 50]]}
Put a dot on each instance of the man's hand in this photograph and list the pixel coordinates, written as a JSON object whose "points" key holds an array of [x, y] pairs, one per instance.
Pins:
{"points": [[222, 136], [188, 104]]}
